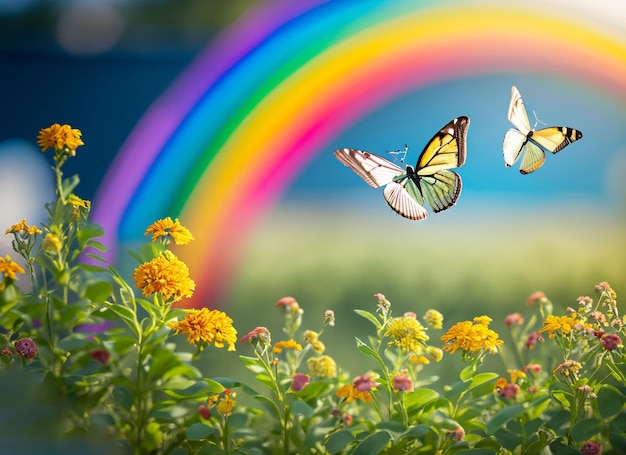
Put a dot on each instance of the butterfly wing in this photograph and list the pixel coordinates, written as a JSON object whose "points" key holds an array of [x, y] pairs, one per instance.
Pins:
{"points": [[446, 150], [555, 138], [405, 199], [375, 170], [517, 112]]}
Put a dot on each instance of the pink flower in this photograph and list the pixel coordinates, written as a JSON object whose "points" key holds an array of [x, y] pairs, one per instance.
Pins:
{"points": [[204, 411], [509, 391], [513, 319], [533, 339], [299, 381], [611, 341], [364, 383], [402, 383], [26, 347], [591, 448], [258, 334], [101, 355]]}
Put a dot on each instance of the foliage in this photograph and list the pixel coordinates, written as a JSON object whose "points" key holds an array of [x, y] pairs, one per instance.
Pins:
{"points": [[93, 367]]}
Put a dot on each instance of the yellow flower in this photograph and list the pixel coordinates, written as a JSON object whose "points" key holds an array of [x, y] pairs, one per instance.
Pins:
{"points": [[289, 344], [168, 229], [165, 274], [471, 336], [23, 227], [349, 392], [310, 336], [51, 243], [59, 137], [80, 205], [407, 333], [10, 268], [226, 404], [323, 366], [434, 319], [207, 326], [553, 324]]}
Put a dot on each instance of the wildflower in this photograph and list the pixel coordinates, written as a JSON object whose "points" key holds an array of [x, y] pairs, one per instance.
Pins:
{"points": [[401, 382], [605, 287], [258, 335], [434, 319], [568, 368], [59, 137], [10, 268], [537, 296], [289, 304], [513, 319], [554, 324], [288, 344], [207, 326], [588, 391], [299, 381], [611, 341], [585, 303], [364, 383], [534, 367], [6, 352], [591, 448], [22, 227], [318, 347], [383, 305], [418, 359], [329, 318], [532, 339], [51, 243], [471, 336], [167, 229], [434, 353], [310, 336], [80, 205], [348, 393], [346, 419], [407, 333], [457, 435], [26, 348], [226, 404], [165, 274], [101, 355], [323, 366], [204, 411], [509, 391], [599, 317]]}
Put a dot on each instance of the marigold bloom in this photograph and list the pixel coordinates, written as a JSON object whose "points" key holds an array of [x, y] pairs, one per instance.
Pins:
{"points": [[407, 333], [207, 326], [165, 274], [10, 268], [471, 336], [322, 367], [22, 227], [287, 344], [554, 324], [258, 335], [434, 319], [26, 347], [167, 229], [59, 137]]}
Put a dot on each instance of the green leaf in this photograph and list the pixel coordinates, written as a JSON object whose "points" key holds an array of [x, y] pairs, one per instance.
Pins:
{"points": [[98, 291], [373, 444], [586, 428], [299, 408], [365, 349], [419, 397], [610, 401], [338, 441], [198, 431], [126, 314], [502, 417], [370, 317]]}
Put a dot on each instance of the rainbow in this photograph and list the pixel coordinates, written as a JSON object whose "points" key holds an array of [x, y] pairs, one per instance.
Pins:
{"points": [[219, 147]]}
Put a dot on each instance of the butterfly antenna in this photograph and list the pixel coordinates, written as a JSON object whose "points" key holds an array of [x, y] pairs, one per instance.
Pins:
{"points": [[400, 152], [538, 121]]}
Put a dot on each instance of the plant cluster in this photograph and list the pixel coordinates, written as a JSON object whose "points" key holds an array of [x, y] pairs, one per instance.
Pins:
{"points": [[89, 366]]}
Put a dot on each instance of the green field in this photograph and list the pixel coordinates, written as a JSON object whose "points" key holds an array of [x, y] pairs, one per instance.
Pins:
{"points": [[464, 263]]}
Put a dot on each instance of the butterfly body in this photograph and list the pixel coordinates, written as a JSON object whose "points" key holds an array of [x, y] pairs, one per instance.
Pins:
{"points": [[529, 143], [430, 179]]}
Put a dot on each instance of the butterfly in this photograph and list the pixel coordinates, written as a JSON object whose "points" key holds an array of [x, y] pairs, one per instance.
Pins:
{"points": [[532, 143], [430, 180]]}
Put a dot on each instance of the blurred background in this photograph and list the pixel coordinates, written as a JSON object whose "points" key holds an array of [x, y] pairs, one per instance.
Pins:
{"points": [[226, 114]]}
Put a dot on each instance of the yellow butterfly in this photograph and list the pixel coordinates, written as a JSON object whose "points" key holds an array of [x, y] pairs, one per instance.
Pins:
{"points": [[430, 180], [524, 140]]}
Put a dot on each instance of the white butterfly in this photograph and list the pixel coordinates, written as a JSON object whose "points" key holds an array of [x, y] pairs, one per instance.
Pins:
{"points": [[524, 140], [430, 180]]}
